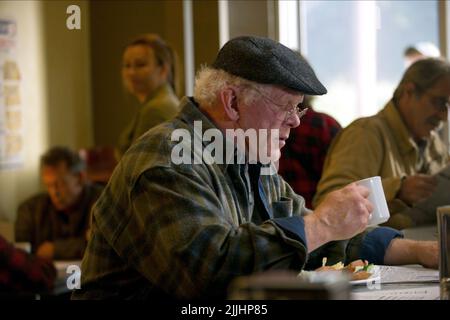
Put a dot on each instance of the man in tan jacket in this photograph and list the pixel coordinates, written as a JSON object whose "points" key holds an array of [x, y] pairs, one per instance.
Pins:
{"points": [[401, 144]]}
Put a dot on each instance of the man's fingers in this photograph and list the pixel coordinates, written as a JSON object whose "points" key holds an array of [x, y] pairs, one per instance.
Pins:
{"points": [[426, 180], [369, 205], [363, 191]]}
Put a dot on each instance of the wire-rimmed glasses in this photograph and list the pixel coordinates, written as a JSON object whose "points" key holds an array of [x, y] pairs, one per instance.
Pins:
{"points": [[289, 108]]}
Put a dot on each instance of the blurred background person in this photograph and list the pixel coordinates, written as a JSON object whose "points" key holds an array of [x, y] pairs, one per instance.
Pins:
{"points": [[56, 222], [401, 144], [420, 50], [303, 155], [148, 73]]}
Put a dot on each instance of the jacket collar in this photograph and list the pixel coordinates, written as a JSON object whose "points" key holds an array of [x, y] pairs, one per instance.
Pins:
{"points": [[402, 135], [190, 113]]}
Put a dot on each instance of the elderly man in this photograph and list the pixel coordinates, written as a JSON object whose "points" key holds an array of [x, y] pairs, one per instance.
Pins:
{"points": [[56, 222], [401, 144], [185, 229]]}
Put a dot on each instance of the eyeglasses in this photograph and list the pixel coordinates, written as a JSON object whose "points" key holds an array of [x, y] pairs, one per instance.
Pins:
{"points": [[289, 108], [440, 103]]}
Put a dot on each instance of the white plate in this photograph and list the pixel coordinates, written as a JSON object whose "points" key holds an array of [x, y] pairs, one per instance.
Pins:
{"points": [[376, 271], [375, 277]]}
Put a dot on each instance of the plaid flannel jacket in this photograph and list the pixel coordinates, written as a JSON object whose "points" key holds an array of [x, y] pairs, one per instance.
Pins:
{"points": [[185, 231]]}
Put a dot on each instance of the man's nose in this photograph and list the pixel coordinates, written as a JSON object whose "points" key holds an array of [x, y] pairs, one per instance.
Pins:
{"points": [[293, 121]]}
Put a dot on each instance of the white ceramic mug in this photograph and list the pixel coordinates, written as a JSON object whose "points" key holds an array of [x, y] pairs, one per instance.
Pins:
{"points": [[380, 211]]}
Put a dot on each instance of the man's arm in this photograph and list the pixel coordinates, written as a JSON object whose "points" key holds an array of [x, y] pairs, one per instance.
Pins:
{"points": [[63, 249], [70, 248], [342, 215], [406, 251]]}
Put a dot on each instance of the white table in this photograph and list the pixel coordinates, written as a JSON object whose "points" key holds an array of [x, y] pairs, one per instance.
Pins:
{"points": [[411, 282], [65, 269], [421, 233]]}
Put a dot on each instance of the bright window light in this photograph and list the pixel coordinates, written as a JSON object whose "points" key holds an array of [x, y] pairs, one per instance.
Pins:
{"points": [[288, 23], [356, 47]]}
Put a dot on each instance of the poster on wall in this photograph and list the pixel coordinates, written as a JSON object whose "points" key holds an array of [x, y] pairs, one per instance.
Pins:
{"points": [[11, 113]]}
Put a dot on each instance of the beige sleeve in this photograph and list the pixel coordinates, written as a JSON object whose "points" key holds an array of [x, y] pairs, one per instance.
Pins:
{"points": [[356, 153]]}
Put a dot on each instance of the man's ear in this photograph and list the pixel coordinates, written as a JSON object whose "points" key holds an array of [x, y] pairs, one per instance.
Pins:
{"points": [[229, 102]]}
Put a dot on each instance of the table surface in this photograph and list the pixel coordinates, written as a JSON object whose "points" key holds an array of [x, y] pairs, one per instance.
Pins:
{"points": [[65, 270], [429, 232], [403, 291], [410, 282], [374, 291]]}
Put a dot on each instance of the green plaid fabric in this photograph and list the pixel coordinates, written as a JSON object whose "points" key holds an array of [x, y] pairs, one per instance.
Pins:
{"points": [[186, 231]]}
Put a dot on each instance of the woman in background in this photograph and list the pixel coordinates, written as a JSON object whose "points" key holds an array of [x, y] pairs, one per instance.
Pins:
{"points": [[148, 73]]}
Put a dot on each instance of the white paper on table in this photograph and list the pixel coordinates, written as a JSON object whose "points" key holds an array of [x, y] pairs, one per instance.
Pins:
{"points": [[408, 274], [419, 293]]}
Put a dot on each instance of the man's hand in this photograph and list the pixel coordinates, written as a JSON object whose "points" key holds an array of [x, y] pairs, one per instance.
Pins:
{"points": [[416, 188], [46, 250], [405, 251], [343, 214]]}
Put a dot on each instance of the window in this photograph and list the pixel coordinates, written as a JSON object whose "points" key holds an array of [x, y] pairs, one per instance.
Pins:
{"points": [[356, 47]]}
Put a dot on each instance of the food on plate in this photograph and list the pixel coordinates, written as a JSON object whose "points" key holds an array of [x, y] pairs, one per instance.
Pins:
{"points": [[358, 270]]}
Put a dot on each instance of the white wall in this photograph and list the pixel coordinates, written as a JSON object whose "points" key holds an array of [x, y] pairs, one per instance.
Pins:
{"points": [[15, 184], [55, 90]]}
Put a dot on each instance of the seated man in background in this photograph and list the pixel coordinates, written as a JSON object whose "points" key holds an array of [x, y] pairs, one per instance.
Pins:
{"points": [[24, 273], [56, 222], [303, 155], [400, 144], [185, 229]]}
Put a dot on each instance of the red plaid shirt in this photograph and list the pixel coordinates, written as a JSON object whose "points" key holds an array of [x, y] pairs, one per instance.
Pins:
{"points": [[23, 273], [303, 155]]}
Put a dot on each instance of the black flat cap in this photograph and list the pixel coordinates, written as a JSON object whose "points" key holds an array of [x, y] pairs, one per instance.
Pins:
{"points": [[266, 61]]}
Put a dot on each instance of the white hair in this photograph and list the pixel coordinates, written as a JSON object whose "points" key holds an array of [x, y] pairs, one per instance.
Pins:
{"points": [[209, 82]]}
